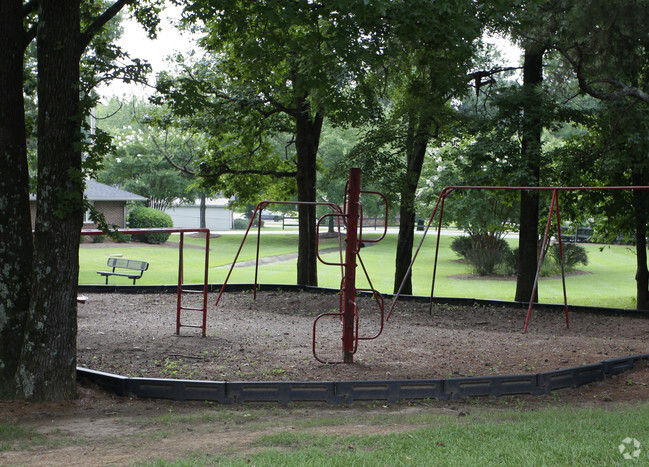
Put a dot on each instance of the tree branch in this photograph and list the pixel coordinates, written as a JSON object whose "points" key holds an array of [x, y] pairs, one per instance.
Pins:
{"points": [[586, 86], [216, 172], [30, 7], [480, 75], [29, 36], [165, 154], [624, 90], [101, 21]]}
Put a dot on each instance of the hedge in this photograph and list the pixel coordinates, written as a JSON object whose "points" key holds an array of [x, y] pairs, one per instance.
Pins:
{"points": [[142, 218]]}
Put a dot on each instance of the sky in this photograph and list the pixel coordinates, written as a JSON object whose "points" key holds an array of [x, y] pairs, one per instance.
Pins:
{"points": [[135, 41]]}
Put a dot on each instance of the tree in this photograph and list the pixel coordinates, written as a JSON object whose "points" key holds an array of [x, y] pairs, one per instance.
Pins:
{"points": [[149, 161], [589, 31], [428, 54], [15, 221], [607, 44], [531, 130], [487, 159], [46, 366], [274, 67], [613, 153]]}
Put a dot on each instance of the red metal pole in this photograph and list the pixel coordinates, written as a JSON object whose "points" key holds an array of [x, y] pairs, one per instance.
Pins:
{"points": [[180, 281], [206, 280], [351, 249], [439, 235], [541, 256], [260, 209], [561, 262]]}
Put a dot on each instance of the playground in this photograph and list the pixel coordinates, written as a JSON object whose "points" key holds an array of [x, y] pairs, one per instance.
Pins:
{"points": [[271, 339], [290, 336], [296, 336]]}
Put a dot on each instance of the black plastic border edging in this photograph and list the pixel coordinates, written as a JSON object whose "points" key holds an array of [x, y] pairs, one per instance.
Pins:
{"points": [[347, 392]]}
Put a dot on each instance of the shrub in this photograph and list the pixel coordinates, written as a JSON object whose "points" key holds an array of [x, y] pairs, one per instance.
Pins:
{"points": [[98, 238], [573, 255], [462, 245], [509, 264], [484, 260], [484, 253], [142, 218], [123, 238], [240, 224]]}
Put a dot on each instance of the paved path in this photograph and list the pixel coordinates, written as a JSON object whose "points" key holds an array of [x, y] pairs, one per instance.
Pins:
{"points": [[272, 259]]}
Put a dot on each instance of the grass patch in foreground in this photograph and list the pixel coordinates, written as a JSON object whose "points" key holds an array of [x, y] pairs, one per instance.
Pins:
{"points": [[11, 433], [549, 436]]}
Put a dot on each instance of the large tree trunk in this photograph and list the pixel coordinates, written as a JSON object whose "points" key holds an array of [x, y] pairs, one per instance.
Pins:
{"points": [[15, 219], [531, 155], [307, 140], [417, 143], [48, 362], [640, 205]]}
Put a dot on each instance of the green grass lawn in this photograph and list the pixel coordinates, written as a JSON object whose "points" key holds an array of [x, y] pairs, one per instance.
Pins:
{"points": [[552, 436], [609, 281], [508, 432]]}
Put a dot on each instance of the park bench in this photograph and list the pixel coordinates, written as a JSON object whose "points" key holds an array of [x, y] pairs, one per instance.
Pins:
{"points": [[123, 264]]}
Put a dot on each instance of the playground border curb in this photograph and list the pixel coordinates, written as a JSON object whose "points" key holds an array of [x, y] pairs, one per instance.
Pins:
{"points": [[347, 392]]}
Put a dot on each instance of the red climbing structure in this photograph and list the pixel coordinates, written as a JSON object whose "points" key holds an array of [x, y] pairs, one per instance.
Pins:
{"points": [[351, 219]]}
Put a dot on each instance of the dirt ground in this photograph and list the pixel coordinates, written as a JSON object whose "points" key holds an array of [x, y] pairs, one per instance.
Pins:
{"points": [[270, 338]]}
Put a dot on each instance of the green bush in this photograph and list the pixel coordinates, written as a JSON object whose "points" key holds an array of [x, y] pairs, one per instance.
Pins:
{"points": [[485, 253], [123, 238], [242, 224], [142, 218], [484, 260], [509, 264], [461, 245], [98, 238], [573, 255]]}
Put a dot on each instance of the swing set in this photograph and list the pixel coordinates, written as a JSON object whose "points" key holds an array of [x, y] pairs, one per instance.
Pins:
{"points": [[350, 217]]}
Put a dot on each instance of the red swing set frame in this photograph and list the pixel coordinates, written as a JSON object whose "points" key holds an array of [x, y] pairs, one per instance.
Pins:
{"points": [[554, 208]]}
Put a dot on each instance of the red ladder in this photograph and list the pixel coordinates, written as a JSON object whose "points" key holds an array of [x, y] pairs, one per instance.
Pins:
{"points": [[182, 290]]}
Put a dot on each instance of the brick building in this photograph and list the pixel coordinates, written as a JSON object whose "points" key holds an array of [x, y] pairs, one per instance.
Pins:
{"points": [[106, 199]]}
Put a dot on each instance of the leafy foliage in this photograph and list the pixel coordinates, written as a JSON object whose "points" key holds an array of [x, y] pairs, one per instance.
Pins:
{"points": [[142, 217], [483, 252], [461, 245], [241, 224], [142, 155], [606, 44], [573, 255]]}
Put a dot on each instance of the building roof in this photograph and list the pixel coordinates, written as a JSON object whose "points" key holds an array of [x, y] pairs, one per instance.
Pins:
{"points": [[96, 191]]}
